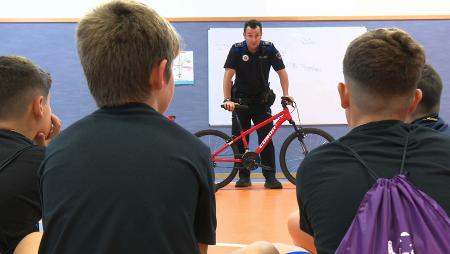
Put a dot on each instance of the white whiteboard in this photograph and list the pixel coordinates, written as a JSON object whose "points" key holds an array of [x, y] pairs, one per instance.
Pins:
{"points": [[249, 8], [313, 59]]}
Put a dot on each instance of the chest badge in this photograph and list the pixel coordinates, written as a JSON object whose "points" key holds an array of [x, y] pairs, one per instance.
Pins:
{"points": [[245, 58]]}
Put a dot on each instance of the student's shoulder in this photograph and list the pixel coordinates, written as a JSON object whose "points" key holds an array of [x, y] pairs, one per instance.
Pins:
{"points": [[72, 132], [323, 154], [186, 140], [33, 153], [430, 136]]}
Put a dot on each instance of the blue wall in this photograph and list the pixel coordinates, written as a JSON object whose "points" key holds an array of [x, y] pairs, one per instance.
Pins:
{"points": [[52, 46]]}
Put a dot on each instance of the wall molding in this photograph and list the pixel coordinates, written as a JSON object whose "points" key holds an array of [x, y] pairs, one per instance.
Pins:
{"points": [[238, 19]]}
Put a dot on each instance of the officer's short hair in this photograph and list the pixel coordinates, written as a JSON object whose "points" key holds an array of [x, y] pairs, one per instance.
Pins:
{"points": [[253, 23], [20, 81], [384, 63], [119, 43], [431, 86]]}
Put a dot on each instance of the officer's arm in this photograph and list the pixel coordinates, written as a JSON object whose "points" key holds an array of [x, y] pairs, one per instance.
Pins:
{"points": [[229, 73], [284, 81]]}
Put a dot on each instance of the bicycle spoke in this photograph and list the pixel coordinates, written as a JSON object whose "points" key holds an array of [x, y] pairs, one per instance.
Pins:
{"points": [[294, 151], [224, 171]]}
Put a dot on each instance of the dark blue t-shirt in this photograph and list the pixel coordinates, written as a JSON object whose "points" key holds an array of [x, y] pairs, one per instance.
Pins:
{"points": [[20, 206], [127, 180]]}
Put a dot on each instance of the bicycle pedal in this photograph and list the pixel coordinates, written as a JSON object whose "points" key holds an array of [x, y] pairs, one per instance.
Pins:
{"points": [[268, 168]]}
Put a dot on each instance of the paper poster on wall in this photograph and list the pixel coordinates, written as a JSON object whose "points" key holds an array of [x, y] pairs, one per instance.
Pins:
{"points": [[313, 59], [183, 68]]}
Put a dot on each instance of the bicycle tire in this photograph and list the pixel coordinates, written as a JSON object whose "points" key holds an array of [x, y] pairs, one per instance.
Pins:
{"points": [[215, 139], [293, 150]]}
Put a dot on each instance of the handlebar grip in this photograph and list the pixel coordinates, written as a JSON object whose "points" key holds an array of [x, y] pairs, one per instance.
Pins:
{"points": [[287, 99], [236, 106]]}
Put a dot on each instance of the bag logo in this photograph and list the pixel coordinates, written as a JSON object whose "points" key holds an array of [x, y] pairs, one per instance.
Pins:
{"points": [[405, 245], [245, 58]]}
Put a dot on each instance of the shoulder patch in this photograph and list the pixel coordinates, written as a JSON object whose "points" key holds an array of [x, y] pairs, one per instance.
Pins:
{"points": [[238, 45], [278, 55], [267, 43]]}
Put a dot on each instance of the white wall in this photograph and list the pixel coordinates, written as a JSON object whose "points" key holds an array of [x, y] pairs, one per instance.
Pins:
{"points": [[234, 8]]}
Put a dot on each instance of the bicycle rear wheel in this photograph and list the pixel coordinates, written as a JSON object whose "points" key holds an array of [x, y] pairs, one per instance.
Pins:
{"points": [[295, 148], [224, 171]]}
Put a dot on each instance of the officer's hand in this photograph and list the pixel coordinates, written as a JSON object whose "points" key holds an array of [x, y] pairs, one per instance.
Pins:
{"points": [[229, 105], [288, 99]]}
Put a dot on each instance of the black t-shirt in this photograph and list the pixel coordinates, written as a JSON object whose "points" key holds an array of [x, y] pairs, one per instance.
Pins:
{"points": [[252, 70], [127, 180], [20, 206], [332, 182]]}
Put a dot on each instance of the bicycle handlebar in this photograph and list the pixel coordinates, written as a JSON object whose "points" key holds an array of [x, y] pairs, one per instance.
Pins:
{"points": [[286, 101]]}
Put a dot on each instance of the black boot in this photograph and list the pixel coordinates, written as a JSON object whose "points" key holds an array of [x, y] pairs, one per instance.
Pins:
{"points": [[244, 178], [243, 182], [272, 183]]}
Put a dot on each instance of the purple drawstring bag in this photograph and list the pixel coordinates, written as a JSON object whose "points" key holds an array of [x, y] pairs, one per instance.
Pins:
{"points": [[395, 217]]}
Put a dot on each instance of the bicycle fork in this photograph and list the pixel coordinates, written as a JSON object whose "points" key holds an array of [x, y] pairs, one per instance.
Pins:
{"points": [[300, 136]]}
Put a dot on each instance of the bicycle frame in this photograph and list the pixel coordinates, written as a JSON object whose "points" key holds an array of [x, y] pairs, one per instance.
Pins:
{"points": [[281, 117]]}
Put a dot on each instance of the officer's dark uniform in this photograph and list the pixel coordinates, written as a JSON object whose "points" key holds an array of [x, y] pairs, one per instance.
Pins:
{"points": [[251, 82]]}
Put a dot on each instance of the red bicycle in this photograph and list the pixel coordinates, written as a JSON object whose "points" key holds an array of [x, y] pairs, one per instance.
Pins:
{"points": [[227, 160]]}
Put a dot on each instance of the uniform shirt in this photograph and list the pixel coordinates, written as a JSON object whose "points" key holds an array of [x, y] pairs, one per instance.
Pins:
{"points": [[332, 182], [127, 180], [20, 206], [434, 122], [252, 70]]}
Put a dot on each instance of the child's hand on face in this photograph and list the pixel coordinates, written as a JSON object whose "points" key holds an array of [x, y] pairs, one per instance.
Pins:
{"points": [[42, 139]]}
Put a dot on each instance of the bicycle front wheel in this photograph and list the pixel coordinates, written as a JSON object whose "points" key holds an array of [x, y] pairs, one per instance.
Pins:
{"points": [[295, 148], [224, 171]]}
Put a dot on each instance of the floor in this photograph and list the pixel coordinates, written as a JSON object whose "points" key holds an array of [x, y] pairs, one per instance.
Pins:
{"points": [[251, 214]]}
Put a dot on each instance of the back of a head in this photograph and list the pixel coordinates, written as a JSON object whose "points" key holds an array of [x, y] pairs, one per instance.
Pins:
{"points": [[431, 85], [118, 44], [381, 66], [20, 81]]}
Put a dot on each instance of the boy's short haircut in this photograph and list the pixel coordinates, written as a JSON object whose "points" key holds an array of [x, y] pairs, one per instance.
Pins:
{"points": [[384, 62], [431, 86], [20, 80], [119, 43]]}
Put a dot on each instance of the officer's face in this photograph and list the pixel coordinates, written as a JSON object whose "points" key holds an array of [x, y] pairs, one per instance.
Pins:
{"points": [[253, 37]]}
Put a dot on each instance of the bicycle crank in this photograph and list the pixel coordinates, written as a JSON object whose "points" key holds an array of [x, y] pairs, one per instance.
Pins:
{"points": [[251, 160]]}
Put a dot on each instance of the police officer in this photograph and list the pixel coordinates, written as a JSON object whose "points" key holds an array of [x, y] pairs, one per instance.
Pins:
{"points": [[250, 61]]}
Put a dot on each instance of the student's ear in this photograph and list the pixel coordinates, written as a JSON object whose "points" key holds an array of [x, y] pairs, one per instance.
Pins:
{"points": [[157, 77], [416, 100], [344, 95], [38, 106]]}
